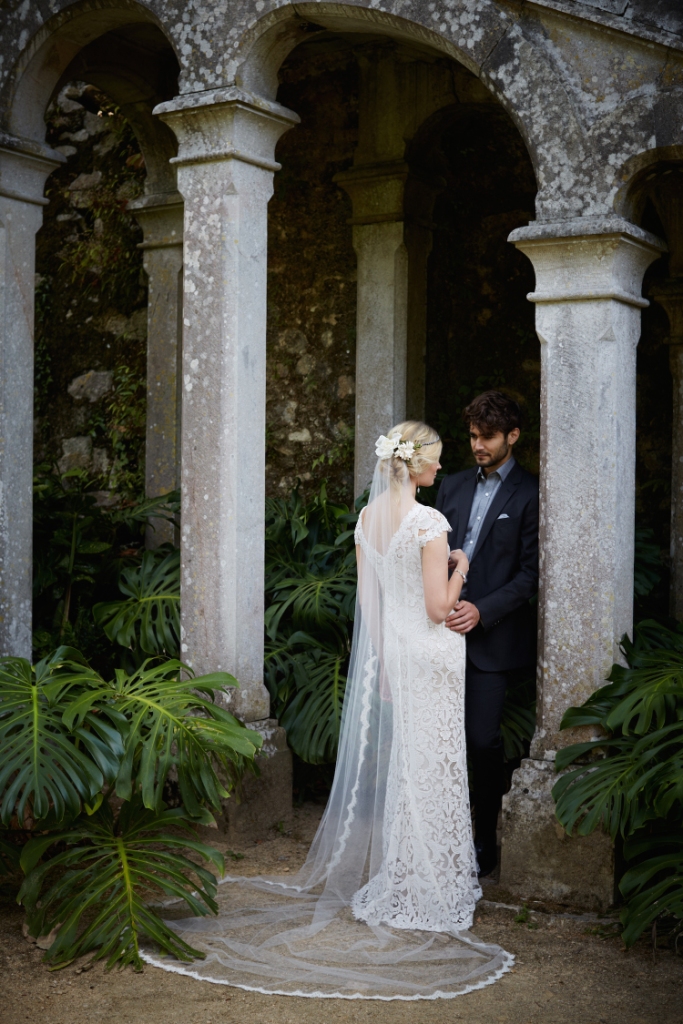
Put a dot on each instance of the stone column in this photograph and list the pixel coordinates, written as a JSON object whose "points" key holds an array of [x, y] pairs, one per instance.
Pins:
{"points": [[392, 208], [225, 170], [588, 300], [382, 306], [161, 219], [392, 236], [24, 167]]}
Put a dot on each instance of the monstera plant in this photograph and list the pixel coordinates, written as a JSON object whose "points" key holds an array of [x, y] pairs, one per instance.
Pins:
{"points": [[629, 781], [85, 769]]}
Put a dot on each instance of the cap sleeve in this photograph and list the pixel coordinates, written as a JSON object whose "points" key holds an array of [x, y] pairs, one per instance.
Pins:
{"points": [[430, 525]]}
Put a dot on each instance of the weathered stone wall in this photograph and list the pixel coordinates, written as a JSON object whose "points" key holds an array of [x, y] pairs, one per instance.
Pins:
{"points": [[312, 281], [91, 297]]}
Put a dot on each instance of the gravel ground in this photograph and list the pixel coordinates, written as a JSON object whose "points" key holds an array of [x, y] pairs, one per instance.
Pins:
{"points": [[566, 973]]}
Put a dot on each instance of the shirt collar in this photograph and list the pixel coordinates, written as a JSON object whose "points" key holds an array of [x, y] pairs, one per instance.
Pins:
{"points": [[503, 472]]}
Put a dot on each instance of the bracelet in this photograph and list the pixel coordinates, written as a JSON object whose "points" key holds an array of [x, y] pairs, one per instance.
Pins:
{"points": [[464, 577]]}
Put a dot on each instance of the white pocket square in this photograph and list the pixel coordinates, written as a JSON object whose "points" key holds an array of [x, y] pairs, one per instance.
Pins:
{"points": [[503, 515]]}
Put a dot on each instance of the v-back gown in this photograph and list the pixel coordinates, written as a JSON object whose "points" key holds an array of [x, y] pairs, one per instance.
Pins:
{"points": [[394, 848], [428, 875]]}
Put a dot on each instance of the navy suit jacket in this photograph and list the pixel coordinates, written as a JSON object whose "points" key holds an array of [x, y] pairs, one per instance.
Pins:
{"points": [[503, 573]]}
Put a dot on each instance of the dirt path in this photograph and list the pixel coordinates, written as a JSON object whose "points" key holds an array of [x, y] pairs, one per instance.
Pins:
{"points": [[565, 974]]}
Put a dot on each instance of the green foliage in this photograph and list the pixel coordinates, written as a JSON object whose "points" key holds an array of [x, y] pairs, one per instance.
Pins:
{"points": [[65, 732], [99, 900], [340, 452], [47, 768], [102, 254], [519, 718], [149, 621], [119, 423], [313, 715], [71, 537], [70, 740], [80, 551], [654, 885], [310, 597], [648, 563], [630, 781]]}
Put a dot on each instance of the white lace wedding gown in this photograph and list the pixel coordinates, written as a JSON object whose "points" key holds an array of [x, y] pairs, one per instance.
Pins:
{"points": [[382, 907], [428, 875]]}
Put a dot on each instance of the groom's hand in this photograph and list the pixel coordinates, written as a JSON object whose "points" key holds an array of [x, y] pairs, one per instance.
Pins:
{"points": [[464, 618]]}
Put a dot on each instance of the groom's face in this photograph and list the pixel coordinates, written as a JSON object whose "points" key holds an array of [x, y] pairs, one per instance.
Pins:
{"points": [[491, 452]]}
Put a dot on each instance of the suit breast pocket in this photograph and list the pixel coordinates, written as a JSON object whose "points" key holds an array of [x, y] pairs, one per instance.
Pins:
{"points": [[506, 525]]}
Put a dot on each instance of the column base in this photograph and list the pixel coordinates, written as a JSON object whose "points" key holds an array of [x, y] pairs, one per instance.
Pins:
{"points": [[539, 861], [266, 802]]}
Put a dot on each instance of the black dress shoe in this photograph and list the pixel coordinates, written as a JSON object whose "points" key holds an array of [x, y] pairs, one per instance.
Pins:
{"points": [[487, 857]]}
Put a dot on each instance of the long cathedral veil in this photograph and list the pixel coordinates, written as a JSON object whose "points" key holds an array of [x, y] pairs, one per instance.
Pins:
{"points": [[297, 935]]}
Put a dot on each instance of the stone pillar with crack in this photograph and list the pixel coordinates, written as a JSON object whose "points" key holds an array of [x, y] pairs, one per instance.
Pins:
{"points": [[588, 299]]}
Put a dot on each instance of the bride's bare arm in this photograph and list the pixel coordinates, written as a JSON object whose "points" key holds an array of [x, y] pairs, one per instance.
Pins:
{"points": [[441, 594]]}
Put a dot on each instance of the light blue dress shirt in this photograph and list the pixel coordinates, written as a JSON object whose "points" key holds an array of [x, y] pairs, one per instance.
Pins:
{"points": [[483, 496]]}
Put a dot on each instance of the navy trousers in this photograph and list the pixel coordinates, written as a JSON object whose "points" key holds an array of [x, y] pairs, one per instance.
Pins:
{"points": [[484, 699]]}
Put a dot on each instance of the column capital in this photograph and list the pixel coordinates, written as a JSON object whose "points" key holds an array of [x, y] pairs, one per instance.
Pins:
{"points": [[24, 167], [669, 295], [160, 216], [226, 124], [376, 191], [588, 259]]}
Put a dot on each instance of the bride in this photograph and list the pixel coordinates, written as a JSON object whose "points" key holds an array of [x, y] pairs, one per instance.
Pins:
{"points": [[383, 905]]}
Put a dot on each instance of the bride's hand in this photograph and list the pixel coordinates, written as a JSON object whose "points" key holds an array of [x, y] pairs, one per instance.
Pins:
{"points": [[458, 560]]}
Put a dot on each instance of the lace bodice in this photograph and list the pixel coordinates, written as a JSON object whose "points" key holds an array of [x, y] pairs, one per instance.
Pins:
{"points": [[400, 569]]}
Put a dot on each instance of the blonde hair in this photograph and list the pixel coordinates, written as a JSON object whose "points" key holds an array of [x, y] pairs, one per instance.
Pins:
{"points": [[419, 433]]}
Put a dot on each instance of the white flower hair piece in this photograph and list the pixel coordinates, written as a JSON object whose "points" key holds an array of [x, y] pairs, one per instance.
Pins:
{"points": [[385, 447], [394, 447]]}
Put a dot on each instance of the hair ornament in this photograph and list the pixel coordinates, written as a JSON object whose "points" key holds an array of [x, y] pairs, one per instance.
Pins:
{"points": [[394, 447]]}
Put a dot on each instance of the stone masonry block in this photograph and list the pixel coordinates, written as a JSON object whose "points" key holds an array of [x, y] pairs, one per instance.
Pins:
{"points": [[92, 385], [266, 801], [77, 454], [539, 860]]}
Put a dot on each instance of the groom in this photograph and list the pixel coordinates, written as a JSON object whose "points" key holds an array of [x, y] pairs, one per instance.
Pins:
{"points": [[493, 513]]}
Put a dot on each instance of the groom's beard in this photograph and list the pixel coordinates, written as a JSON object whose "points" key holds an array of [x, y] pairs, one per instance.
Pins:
{"points": [[484, 461]]}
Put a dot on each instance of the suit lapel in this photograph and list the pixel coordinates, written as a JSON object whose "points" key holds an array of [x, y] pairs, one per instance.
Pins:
{"points": [[463, 504], [499, 502]]}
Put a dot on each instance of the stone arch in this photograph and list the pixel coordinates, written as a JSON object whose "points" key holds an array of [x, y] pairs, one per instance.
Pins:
{"points": [[73, 44], [517, 73], [636, 174]]}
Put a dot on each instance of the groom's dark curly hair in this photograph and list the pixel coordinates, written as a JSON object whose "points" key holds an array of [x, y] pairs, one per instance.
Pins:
{"points": [[492, 412]]}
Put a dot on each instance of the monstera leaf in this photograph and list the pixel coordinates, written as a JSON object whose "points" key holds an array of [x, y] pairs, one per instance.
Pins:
{"points": [[150, 618], [106, 876], [49, 766], [653, 886], [313, 716], [519, 717], [170, 724]]}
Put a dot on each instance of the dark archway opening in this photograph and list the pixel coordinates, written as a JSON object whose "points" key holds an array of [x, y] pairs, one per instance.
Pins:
{"points": [[480, 326]]}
